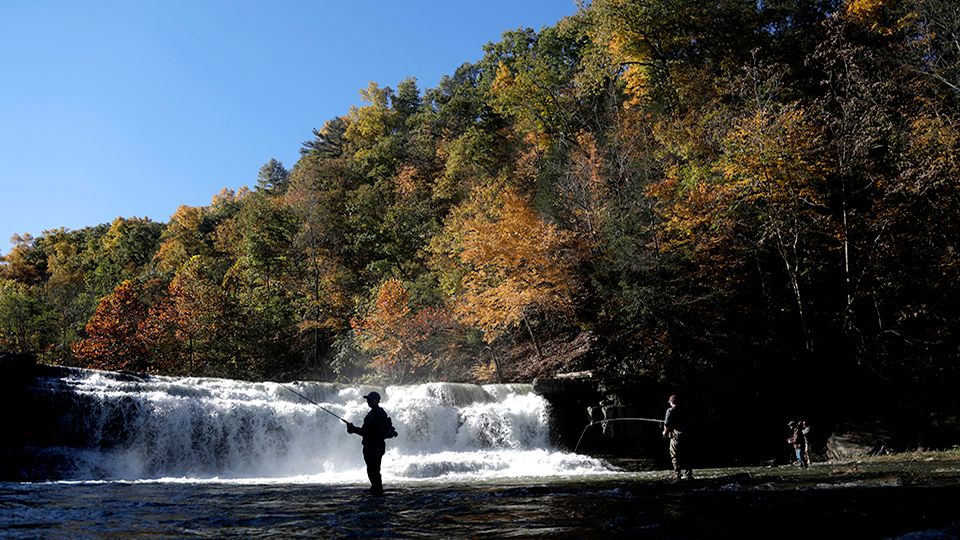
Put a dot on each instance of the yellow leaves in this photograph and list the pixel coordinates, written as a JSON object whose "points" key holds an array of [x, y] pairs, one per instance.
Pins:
{"points": [[517, 261], [524, 98], [866, 9], [763, 178], [408, 181], [369, 124], [934, 150], [485, 372], [776, 152], [584, 187], [503, 81], [870, 13], [392, 302], [181, 239]]}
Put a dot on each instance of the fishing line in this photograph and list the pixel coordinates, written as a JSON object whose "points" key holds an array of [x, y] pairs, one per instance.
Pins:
{"points": [[577, 447], [314, 402]]}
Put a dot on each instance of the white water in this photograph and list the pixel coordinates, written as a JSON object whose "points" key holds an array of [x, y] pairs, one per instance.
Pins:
{"points": [[189, 429]]}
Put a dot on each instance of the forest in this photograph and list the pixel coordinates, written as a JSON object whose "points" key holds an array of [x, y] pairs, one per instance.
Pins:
{"points": [[740, 193]]}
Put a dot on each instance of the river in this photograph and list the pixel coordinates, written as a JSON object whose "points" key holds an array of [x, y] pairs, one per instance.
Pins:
{"points": [[186, 457]]}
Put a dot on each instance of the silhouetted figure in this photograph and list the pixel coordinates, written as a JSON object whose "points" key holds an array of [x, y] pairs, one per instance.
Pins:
{"points": [[376, 428], [798, 440], [676, 427]]}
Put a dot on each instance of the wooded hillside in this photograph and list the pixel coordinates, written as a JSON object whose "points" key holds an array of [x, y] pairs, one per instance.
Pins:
{"points": [[733, 190]]}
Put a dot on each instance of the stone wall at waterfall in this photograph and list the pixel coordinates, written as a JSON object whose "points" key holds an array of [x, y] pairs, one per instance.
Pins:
{"points": [[733, 425]]}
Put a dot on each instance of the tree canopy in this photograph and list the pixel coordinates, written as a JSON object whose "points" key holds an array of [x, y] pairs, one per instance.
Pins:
{"points": [[708, 191]]}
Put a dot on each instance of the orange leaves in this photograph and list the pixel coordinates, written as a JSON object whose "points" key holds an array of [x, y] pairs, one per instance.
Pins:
{"points": [[114, 340], [391, 306], [400, 338], [773, 160], [517, 262], [775, 145], [877, 15]]}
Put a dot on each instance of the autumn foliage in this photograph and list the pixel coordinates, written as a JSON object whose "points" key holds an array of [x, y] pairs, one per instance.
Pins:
{"points": [[517, 263], [114, 340], [404, 342], [725, 193]]}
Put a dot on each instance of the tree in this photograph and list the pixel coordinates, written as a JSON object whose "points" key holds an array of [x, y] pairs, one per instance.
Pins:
{"points": [[371, 124], [328, 141], [181, 239], [22, 321], [772, 165], [114, 340], [122, 253], [184, 331], [655, 43], [65, 291], [24, 263], [322, 284], [937, 47], [517, 263], [273, 178], [401, 339]]}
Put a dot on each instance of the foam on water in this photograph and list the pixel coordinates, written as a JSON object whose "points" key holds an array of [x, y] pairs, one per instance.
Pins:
{"points": [[190, 429]]}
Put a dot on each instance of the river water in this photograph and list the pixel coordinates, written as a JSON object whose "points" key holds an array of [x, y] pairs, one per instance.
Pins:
{"points": [[179, 457], [626, 508]]}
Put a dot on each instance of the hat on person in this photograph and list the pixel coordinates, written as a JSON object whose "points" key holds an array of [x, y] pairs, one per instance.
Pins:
{"points": [[372, 395]]}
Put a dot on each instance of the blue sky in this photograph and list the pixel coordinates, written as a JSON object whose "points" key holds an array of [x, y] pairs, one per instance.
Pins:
{"points": [[131, 108]]}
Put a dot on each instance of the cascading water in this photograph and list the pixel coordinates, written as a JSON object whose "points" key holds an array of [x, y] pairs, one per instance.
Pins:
{"points": [[201, 428]]}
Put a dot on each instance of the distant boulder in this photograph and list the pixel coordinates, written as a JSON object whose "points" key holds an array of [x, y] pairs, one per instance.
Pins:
{"points": [[858, 441]]}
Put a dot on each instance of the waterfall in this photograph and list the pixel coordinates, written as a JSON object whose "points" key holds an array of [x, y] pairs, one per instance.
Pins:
{"points": [[203, 428]]}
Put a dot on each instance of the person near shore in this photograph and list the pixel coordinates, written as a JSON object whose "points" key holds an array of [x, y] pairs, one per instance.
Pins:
{"points": [[807, 445], [376, 428], [676, 428], [796, 439]]}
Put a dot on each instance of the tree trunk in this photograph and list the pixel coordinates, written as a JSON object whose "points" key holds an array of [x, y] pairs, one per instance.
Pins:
{"points": [[536, 346]]}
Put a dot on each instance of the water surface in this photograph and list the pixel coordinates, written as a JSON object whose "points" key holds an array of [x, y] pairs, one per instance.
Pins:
{"points": [[628, 507]]}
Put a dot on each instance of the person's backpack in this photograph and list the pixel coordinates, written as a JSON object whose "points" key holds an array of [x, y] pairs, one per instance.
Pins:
{"points": [[389, 432]]}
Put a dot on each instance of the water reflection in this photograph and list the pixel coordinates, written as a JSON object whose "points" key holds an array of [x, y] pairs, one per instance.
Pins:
{"points": [[610, 509]]}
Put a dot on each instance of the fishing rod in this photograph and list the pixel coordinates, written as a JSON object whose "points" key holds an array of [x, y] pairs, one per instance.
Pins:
{"points": [[577, 447], [315, 403]]}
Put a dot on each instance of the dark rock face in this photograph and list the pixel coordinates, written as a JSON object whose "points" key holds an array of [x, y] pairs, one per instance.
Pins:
{"points": [[38, 419], [850, 442], [590, 412]]}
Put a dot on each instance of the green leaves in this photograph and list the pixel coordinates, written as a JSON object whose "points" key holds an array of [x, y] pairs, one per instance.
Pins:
{"points": [[706, 187]]}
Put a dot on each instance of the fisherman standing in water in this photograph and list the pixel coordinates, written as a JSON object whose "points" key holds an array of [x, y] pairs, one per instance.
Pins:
{"points": [[376, 428], [676, 427]]}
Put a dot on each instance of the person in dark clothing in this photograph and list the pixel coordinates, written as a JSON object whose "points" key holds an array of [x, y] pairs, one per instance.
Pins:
{"points": [[676, 427], [798, 440], [807, 442], [375, 429]]}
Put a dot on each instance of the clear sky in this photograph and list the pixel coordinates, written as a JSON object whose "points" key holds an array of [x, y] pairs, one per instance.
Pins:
{"points": [[133, 107]]}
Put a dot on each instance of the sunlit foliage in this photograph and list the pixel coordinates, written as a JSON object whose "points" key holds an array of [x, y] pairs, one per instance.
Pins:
{"points": [[718, 192]]}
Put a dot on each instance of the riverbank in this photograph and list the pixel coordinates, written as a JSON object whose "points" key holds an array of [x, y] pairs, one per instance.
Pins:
{"points": [[907, 469]]}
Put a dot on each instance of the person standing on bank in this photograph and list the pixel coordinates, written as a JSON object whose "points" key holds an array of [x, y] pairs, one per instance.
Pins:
{"points": [[676, 427], [376, 428]]}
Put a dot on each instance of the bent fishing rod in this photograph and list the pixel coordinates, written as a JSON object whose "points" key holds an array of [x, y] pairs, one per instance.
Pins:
{"points": [[584, 432], [324, 409]]}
